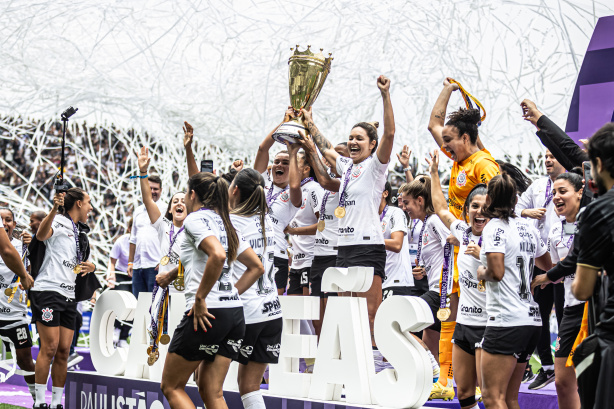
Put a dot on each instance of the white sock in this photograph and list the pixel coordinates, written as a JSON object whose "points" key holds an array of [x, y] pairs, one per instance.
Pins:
{"points": [[56, 396], [253, 400], [40, 390], [474, 407], [434, 363], [32, 390], [548, 367]]}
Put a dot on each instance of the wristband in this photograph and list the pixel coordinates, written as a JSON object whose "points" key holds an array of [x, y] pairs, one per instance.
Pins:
{"points": [[139, 177], [407, 169], [130, 264]]}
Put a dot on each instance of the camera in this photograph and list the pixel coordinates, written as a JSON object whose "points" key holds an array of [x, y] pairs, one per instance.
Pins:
{"points": [[70, 111], [61, 186]]}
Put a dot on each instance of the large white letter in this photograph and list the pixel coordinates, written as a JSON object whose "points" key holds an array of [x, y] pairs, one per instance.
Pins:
{"points": [[409, 384], [175, 314], [139, 339], [285, 378], [106, 358], [344, 354]]}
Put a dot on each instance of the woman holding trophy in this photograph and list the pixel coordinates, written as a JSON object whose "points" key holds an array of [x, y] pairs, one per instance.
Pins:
{"points": [[363, 176]]}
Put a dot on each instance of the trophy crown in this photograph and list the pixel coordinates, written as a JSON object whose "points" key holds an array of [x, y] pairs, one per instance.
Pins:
{"points": [[308, 54]]}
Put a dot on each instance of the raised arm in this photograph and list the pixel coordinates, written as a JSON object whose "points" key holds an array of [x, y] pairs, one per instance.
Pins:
{"points": [[387, 141], [438, 114], [152, 209], [439, 200], [188, 137], [323, 144], [44, 230], [322, 175], [262, 156], [404, 161], [296, 194]]}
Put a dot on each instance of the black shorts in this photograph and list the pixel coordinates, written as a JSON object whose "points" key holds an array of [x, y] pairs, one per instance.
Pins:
{"points": [[52, 309], [420, 286], [223, 338], [19, 335], [517, 341], [299, 279], [568, 331], [364, 255], [390, 291], [281, 272], [261, 342], [432, 298], [318, 267], [468, 337]]}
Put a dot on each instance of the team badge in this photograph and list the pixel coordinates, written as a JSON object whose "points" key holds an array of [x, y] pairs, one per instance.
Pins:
{"points": [[425, 239], [356, 171], [461, 179], [47, 314], [284, 197]]}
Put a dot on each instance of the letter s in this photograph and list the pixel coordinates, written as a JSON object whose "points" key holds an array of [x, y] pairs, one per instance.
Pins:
{"points": [[396, 317]]}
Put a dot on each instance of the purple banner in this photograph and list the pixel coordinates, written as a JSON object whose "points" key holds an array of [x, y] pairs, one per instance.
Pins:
{"points": [[592, 104]]}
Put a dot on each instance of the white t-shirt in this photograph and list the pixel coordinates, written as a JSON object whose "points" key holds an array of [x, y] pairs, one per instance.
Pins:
{"points": [[163, 227], [281, 211], [326, 240], [15, 310], [303, 245], [363, 194], [509, 302], [398, 265], [260, 301], [198, 226], [413, 237], [535, 197], [145, 237], [56, 272], [434, 236], [559, 243], [472, 302], [120, 252]]}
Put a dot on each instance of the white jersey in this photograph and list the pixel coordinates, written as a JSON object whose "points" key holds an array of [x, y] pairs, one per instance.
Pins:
{"points": [[260, 301], [15, 310], [472, 302], [434, 235], [326, 240], [145, 237], [559, 243], [413, 237], [303, 245], [163, 227], [198, 226], [281, 211], [363, 193], [536, 196], [398, 266], [56, 271], [121, 252], [509, 302]]}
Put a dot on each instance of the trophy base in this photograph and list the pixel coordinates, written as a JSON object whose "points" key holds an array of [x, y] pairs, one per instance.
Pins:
{"points": [[288, 131]]}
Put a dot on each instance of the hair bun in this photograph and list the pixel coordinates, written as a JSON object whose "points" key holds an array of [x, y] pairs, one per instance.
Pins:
{"points": [[374, 124]]}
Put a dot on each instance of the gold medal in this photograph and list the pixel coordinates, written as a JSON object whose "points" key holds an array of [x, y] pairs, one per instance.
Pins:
{"points": [[20, 297], [8, 292], [443, 314], [321, 225], [340, 212], [165, 260], [149, 349], [10, 300], [178, 284], [481, 286], [77, 269], [165, 339], [153, 357]]}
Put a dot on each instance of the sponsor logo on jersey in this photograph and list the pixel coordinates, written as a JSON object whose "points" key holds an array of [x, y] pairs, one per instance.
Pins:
{"points": [[235, 344], [229, 298], [527, 247], [350, 203], [299, 256], [273, 219], [328, 217], [461, 179], [271, 306], [247, 350], [5, 310], [67, 287], [274, 349], [534, 312], [4, 285], [346, 230], [322, 241], [47, 314], [471, 310], [314, 198], [466, 279], [209, 349]]}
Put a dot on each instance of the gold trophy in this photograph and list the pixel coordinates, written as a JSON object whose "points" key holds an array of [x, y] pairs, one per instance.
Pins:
{"points": [[307, 72]]}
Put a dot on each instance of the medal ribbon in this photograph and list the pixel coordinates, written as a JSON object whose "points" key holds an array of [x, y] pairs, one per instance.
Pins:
{"points": [[270, 198], [173, 237], [419, 253], [346, 181], [466, 238], [446, 277], [381, 217], [568, 245], [549, 193], [158, 314], [323, 206], [468, 97], [76, 232]]}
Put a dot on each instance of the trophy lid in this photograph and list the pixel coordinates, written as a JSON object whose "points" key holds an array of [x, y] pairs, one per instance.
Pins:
{"points": [[309, 55]]}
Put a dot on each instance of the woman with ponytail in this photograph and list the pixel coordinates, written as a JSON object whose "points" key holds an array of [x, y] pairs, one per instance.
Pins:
{"points": [[209, 336], [261, 307], [52, 297]]}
